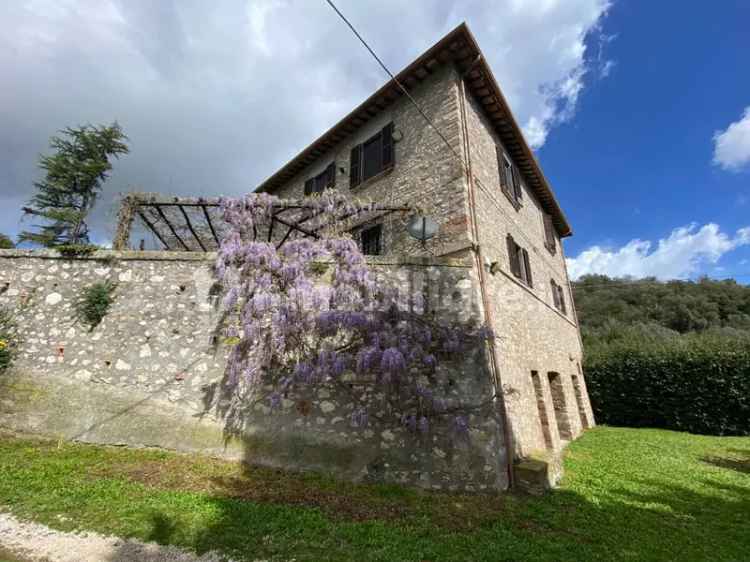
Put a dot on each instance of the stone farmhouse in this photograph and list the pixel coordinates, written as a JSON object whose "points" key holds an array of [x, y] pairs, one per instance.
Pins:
{"points": [[449, 149], [492, 201]]}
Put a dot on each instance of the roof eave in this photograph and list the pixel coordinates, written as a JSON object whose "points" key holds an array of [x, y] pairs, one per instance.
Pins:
{"points": [[458, 46]]}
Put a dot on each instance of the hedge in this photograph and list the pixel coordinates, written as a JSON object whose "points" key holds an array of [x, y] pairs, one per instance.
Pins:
{"points": [[687, 384]]}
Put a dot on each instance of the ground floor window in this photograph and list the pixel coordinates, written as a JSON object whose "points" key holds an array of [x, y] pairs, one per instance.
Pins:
{"points": [[371, 240]]}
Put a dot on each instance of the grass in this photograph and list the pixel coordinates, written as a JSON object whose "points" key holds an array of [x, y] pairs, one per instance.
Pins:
{"points": [[628, 494]]}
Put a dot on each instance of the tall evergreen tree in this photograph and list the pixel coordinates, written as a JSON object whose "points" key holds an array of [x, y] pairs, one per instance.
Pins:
{"points": [[74, 177]]}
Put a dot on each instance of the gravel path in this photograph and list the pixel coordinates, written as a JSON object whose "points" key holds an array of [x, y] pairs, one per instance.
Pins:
{"points": [[30, 542]]}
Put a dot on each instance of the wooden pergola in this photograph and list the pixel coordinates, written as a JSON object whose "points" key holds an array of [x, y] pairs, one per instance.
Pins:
{"points": [[195, 224]]}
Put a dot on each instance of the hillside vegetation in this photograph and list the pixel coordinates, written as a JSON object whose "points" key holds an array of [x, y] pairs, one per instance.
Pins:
{"points": [[673, 355], [611, 309]]}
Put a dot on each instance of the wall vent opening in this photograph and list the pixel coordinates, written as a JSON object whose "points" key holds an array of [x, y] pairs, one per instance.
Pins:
{"points": [[560, 404]]}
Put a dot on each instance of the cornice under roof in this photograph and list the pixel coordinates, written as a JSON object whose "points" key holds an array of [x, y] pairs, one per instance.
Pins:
{"points": [[460, 47]]}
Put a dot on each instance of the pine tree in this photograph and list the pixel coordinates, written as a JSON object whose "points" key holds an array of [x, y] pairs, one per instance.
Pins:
{"points": [[74, 177]]}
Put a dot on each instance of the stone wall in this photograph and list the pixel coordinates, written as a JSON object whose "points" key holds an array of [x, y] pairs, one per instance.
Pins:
{"points": [[151, 374], [533, 334]]}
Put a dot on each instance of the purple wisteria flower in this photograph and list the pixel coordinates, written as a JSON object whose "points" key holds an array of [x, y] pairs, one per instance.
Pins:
{"points": [[312, 312]]}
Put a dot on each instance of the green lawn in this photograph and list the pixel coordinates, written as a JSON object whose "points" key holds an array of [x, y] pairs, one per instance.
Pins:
{"points": [[628, 494]]}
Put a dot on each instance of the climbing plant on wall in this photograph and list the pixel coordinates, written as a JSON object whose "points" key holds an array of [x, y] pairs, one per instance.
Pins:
{"points": [[94, 302], [8, 338], [301, 325]]}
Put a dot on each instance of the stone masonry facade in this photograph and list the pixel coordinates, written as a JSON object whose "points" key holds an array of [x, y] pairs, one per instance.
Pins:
{"points": [[151, 373], [156, 340], [534, 335]]}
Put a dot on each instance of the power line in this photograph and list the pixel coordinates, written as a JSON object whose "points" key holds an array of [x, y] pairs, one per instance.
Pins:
{"points": [[395, 80], [461, 159], [450, 146]]}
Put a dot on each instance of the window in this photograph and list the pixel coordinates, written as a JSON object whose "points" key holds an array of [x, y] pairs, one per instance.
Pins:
{"points": [[519, 262], [560, 404], [541, 405], [549, 234], [371, 240], [558, 296], [510, 182], [373, 156], [324, 180]]}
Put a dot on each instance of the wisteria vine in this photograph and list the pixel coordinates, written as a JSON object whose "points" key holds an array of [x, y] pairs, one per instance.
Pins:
{"points": [[311, 312]]}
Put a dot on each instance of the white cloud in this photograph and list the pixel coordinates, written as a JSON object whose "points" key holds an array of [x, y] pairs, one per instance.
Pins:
{"points": [[732, 146], [215, 96], [682, 254]]}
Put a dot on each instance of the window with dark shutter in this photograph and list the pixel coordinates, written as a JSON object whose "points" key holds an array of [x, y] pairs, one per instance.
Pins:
{"points": [[371, 240], [355, 166], [549, 234], [558, 296], [309, 186], [529, 280], [517, 189], [520, 266], [561, 299], [372, 157], [510, 181], [502, 167], [324, 180], [515, 266], [555, 294]]}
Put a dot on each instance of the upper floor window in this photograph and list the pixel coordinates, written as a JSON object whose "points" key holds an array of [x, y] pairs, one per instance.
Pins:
{"points": [[371, 240], [373, 156], [519, 262], [324, 180], [558, 296], [510, 181], [549, 234]]}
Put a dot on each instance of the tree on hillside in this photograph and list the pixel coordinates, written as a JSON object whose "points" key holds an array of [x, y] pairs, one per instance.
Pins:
{"points": [[74, 177], [5, 242], [647, 309]]}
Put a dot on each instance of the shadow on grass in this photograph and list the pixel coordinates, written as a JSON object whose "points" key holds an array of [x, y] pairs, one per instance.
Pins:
{"points": [[643, 519]]}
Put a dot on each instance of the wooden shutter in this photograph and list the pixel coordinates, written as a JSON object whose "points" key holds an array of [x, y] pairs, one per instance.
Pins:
{"points": [[549, 233], [562, 299], [501, 167], [517, 189], [309, 186], [355, 166], [387, 140], [515, 266], [555, 295], [331, 175], [527, 268]]}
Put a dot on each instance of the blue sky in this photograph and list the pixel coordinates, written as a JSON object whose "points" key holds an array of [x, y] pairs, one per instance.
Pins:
{"points": [[638, 110], [635, 162]]}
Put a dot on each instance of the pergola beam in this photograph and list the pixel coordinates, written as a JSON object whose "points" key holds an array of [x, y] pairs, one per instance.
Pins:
{"points": [[169, 224], [153, 229], [150, 208], [210, 225], [192, 230]]}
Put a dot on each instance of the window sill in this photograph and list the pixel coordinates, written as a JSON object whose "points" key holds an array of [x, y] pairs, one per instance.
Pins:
{"points": [[373, 179]]}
